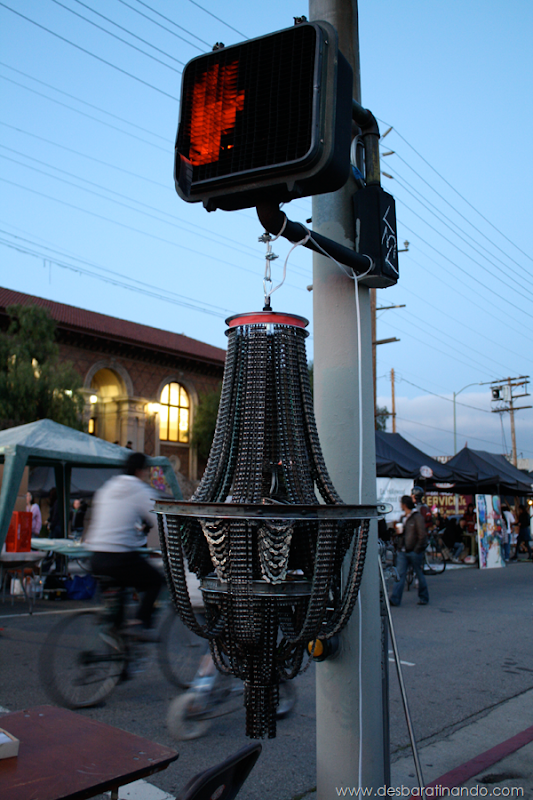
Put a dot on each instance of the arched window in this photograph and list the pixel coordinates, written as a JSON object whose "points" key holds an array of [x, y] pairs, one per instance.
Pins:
{"points": [[174, 414]]}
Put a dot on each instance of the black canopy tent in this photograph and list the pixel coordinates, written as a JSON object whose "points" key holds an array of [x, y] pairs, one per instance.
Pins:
{"points": [[398, 458], [478, 471]]}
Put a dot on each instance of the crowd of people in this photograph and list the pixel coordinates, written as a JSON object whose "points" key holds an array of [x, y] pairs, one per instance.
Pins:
{"points": [[456, 535]]}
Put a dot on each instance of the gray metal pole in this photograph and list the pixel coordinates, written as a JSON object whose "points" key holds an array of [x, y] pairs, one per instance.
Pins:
{"points": [[350, 737]]}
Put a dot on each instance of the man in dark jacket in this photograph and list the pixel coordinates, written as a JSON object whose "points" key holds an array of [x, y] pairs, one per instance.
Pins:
{"points": [[411, 547]]}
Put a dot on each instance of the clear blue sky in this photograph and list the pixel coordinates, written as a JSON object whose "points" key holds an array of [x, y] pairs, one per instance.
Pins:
{"points": [[87, 181]]}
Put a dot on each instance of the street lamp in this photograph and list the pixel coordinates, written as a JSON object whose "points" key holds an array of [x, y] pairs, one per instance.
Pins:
{"points": [[454, 415]]}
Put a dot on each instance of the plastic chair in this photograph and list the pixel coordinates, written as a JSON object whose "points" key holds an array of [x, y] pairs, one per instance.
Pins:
{"points": [[224, 781]]}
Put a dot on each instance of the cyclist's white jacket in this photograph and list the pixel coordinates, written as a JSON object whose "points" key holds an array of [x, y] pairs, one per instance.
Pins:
{"points": [[119, 509]]}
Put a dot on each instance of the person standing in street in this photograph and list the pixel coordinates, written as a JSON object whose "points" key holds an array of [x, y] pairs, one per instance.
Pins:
{"points": [[36, 519], [412, 545], [524, 532]]}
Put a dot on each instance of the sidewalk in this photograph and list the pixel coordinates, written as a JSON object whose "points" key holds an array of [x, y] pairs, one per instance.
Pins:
{"points": [[495, 750]]}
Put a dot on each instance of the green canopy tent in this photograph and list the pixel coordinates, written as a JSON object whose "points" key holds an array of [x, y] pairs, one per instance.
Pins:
{"points": [[47, 443]]}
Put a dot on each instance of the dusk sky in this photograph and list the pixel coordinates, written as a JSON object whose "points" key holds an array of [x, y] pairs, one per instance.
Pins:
{"points": [[90, 216]]}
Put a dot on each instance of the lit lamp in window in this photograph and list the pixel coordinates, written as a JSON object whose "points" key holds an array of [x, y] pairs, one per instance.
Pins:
{"points": [[91, 427], [174, 414]]}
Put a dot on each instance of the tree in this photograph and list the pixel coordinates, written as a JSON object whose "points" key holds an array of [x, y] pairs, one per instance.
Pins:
{"points": [[382, 413], [205, 419], [33, 383]]}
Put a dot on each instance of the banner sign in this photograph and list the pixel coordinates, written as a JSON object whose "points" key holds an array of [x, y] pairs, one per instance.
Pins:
{"points": [[489, 531], [449, 504], [391, 490]]}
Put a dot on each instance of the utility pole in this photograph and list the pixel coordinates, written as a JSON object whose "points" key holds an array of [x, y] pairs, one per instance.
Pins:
{"points": [[393, 400], [502, 392], [349, 707]]}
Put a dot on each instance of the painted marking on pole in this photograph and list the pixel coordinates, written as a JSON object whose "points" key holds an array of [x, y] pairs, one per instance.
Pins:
{"points": [[405, 663]]}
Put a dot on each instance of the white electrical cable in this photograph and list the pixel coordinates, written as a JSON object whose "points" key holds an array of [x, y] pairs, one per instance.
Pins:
{"points": [[303, 241]]}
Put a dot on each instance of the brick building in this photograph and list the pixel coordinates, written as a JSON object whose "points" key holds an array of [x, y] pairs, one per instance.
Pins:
{"points": [[141, 384]]}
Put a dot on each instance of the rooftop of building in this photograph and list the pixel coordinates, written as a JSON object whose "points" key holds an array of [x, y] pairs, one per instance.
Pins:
{"points": [[71, 318]]}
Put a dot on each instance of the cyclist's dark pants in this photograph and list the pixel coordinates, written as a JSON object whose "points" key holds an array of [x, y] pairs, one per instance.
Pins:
{"points": [[131, 570]]}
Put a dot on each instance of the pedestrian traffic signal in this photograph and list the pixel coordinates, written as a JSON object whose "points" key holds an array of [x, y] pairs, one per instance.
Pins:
{"points": [[267, 119]]}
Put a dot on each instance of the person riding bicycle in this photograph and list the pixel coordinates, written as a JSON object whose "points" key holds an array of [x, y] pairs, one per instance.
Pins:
{"points": [[121, 518]]}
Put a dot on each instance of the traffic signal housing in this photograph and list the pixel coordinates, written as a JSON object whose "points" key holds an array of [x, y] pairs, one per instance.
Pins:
{"points": [[265, 120]]}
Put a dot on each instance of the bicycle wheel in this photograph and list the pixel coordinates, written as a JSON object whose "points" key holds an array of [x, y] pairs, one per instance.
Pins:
{"points": [[179, 651], [80, 664], [435, 561], [184, 721]]}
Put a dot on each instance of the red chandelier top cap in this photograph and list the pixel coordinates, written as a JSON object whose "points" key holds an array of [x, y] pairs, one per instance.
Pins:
{"points": [[266, 317]]}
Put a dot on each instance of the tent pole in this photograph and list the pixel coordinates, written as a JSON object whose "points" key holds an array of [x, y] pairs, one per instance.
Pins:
{"points": [[14, 464]]}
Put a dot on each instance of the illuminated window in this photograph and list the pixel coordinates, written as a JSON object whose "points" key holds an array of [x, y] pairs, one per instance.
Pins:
{"points": [[92, 426], [174, 414]]}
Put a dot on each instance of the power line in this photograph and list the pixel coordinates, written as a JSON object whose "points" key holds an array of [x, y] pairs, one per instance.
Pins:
{"points": [[136, 10], [502, 321], [119, 38], [456, 191], [173, 224], [432, 327], [442, 397], [438, 214], [116, 281], [458, 321], [459, 213], [461, 269], [136, 229], [217, 18], [85, 103], [82, 155], [89, 53], [446, 239]]}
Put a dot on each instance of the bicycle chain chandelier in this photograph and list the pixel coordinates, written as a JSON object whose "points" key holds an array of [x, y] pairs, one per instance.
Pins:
{"points": [[269, 556]]}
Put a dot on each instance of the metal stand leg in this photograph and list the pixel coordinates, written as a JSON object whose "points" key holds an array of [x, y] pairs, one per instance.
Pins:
{"points": [[414, 748]]}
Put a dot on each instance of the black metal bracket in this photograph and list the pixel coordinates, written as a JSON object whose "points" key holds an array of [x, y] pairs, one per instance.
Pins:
{"points": [[276, 222]]}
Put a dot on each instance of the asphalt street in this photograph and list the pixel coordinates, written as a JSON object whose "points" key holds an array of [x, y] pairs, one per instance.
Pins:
{"points": [[465, 653]]}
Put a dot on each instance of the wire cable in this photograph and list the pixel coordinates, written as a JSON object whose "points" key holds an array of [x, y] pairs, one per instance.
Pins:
{"points": [[172, 222], [136, 229], [85, 103], [460, 214], [470, 258], [119, 38], [461, 269], [218, 19], [89, 53], [167, 19], [477, 247], [456, 191]]}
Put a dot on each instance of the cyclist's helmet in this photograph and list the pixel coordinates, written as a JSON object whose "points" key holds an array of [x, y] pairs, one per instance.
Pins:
{"points": [[418, 493]]}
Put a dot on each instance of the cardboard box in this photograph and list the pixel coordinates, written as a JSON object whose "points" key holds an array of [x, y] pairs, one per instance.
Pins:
{"points": [[18, 538], [9, 745]]}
